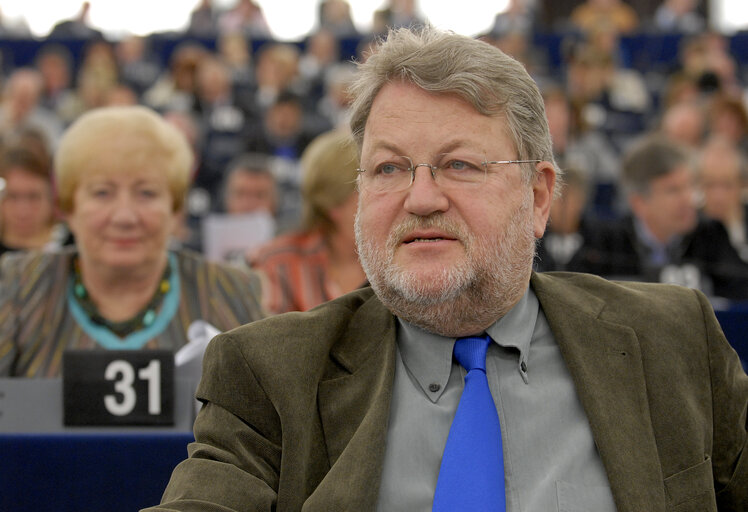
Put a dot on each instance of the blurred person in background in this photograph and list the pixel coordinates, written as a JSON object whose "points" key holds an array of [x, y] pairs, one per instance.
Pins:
{"points": [[55, 64], [396, 14], [284, 133], [276, 70], [319, 262], [235, 51], [335, 102], [245, 17], [223, 116], [684, 122], [247, 217], [664, 239], [594, 14], [20, 106], [27, 214], [586, 150], [78, 27], [203, 20], [335, 16], [138, 69], [322, 51], [122, 173], [250, 186], [568, 225], [722, 178], [679, 16], [727, 117], [175, 88]]}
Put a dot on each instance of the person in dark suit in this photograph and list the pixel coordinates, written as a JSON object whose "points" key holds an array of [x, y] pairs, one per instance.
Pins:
{"points": [[569, 225], [606, 396], [664, 239], [722, 177]]}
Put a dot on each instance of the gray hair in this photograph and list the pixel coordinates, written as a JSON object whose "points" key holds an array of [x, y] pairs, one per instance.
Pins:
{"points": [[649, 158], [480, 74]]}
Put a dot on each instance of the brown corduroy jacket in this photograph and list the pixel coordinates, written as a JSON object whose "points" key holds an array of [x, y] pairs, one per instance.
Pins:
{"points": [[297, 405]]}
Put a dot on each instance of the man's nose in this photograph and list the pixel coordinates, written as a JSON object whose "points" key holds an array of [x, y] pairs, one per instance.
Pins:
{"points": [[425, 196]]}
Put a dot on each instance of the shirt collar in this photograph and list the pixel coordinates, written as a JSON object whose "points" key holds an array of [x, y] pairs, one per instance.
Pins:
{"points": [[658, 251], [428, 356]]}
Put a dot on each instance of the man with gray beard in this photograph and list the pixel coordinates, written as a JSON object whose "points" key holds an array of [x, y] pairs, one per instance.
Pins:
{"points": [[582, 394]]}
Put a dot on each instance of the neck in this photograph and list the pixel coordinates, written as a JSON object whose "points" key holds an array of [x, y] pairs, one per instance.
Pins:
{"points": [[119, 294]]}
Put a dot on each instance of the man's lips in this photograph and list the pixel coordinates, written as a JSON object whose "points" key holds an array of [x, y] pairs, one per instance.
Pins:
{"points": [[427, 237]]}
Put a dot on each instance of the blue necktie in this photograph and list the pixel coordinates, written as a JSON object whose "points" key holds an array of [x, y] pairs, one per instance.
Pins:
{"points": [[471, 476]]}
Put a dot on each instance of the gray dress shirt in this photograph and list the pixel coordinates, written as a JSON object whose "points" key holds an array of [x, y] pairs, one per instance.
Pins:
{"points": [[550, 459]]}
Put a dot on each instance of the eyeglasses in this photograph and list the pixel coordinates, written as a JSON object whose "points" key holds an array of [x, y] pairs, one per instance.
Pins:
{"points": [[452, 171]]}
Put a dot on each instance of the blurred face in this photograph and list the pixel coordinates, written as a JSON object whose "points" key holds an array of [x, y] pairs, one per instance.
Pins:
{"points": [[451, 260], [250, 192], [721, 188], [284, 119], [343, 215], [122, 221], [669, 209], [26, 204], [566, 211]]}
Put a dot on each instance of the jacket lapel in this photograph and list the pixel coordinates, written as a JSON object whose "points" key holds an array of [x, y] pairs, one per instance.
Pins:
{"points": [[354, 407], [605, 362]]}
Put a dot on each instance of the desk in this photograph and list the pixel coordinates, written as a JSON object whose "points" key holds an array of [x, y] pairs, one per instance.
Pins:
{"points": [[47, 466], [87, 472]]}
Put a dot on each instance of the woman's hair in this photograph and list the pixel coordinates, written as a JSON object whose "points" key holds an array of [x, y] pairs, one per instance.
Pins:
{"points": [[121, 140], [328, 177], [478, 73], [19, 157]]}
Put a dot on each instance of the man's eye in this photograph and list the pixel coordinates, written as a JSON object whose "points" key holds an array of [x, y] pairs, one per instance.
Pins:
{"points": [[460, 165], [388, 168]]}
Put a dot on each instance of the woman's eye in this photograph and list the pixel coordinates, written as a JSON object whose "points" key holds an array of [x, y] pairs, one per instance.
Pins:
{"points": [[148, 193], [100, 192]]}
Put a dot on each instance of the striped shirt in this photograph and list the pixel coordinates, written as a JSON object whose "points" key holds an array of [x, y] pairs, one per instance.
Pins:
{"points": [[37, 326], [295, 271]]}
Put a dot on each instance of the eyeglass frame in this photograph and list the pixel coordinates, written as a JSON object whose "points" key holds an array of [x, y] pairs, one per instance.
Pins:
{"points": [[434, 168]]}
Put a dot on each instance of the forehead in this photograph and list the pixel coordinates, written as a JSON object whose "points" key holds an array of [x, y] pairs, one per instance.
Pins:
{"points": [[20, 176], [678, 176], [244, 177], [128, 176], [405, 117]]}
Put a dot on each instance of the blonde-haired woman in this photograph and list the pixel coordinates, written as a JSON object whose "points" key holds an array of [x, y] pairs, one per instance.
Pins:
{"points": [[319, 262], [122, 174]]}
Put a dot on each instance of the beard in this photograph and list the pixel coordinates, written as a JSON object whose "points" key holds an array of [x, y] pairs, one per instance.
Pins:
{"points": [[469, 295]]}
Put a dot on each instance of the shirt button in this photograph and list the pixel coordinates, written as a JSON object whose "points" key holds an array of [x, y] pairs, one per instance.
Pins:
{"points": [[434, 387]]}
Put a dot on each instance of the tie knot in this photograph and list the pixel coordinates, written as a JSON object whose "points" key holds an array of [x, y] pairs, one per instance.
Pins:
{"points": [[470, 352]]}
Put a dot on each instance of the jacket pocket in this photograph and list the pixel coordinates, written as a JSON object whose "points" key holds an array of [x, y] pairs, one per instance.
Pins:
{"points": [[692, 490]]}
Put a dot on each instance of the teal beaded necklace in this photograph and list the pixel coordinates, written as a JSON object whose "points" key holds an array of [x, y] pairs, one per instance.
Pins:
{"points": [[144, 318]]}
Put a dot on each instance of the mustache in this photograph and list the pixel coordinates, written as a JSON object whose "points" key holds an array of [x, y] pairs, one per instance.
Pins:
{"points": [[435, 221]]}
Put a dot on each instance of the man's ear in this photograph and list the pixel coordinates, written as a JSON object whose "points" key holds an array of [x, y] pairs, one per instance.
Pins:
{"points": [[543, 186]]}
